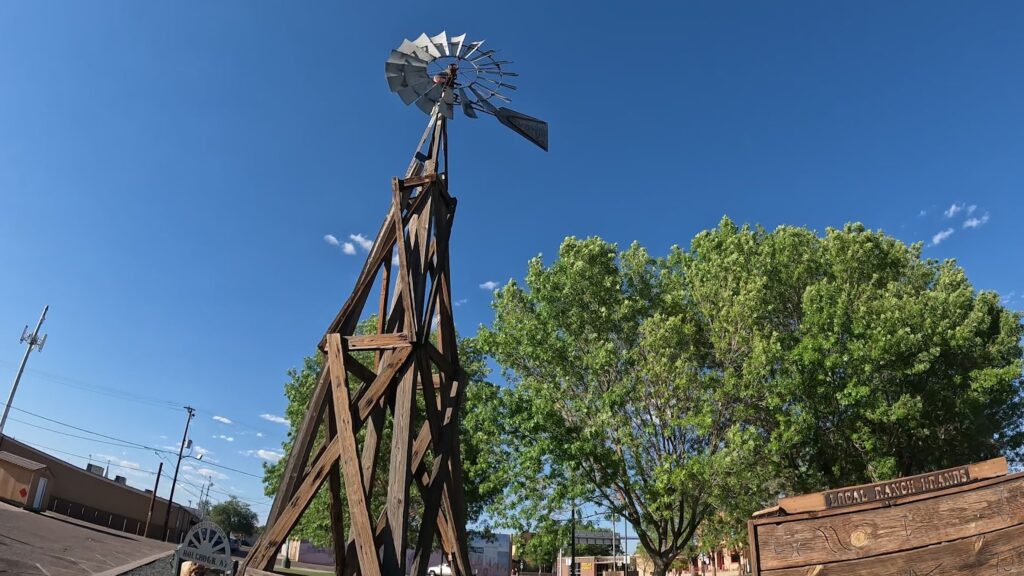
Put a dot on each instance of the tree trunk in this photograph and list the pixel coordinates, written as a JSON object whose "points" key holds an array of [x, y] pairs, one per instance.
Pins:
{"points": [[659, 566]]}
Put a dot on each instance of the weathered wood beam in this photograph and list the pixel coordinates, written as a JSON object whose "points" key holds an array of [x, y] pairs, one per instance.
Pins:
{"points": [[358, 504], [377, 341], [400, 473]]}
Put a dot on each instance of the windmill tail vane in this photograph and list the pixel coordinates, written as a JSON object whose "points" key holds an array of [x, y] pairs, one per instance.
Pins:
{"points": [[404, 374]]}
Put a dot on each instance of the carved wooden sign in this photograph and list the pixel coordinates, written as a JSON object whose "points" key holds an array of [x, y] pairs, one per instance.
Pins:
{"points": [[898, 488], [965, 520]]}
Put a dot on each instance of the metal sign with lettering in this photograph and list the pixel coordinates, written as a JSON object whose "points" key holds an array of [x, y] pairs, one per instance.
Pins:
{"points": [[205, 544], [897, 488]]}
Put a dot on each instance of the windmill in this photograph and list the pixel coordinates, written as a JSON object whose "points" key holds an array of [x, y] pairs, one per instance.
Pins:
{"points": [[406, 373]]}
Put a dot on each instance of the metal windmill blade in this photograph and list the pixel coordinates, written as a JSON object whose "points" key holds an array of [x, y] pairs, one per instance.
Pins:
{"points": [[442, 74]]}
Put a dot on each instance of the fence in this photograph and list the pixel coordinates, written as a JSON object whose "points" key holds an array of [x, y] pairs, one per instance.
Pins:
{"points": [[112, 521]]}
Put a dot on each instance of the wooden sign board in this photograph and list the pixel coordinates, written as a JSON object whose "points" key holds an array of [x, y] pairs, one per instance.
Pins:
{"points": [[910, 526], [910, 485]]}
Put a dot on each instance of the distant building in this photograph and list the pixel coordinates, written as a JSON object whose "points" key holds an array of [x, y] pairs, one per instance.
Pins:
{"points": [[488, 556], [86, 495], [599, 537], [595, 565], [23, 482]]}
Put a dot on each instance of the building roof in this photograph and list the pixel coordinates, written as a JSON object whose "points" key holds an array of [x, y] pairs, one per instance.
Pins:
{"points": [[21, 462]]}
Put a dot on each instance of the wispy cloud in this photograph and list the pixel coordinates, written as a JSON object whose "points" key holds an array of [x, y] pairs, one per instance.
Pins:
{"points": [[346, 247], [118, 461], [225, 438], [940, 236], [259, 434], [953, 210], [922, 213], [222, 419], [976, 222], [1007, 298], [208, 472], [275, 419], [268, 455], [461, 301], [364, 242], [395, 261], [971, 209], [489, 285]]}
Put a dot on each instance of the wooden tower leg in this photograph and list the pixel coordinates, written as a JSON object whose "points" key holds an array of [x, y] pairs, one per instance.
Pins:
{"points": [[414, 353]]}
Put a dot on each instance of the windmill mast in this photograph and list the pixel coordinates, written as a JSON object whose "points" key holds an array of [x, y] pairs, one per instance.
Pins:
{"points": [[409, 362]]}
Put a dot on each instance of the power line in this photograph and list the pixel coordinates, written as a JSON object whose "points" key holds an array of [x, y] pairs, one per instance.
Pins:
{"points": [[126, 395], [72, 435], [104, 390], [51, 449], [182, 482], [123, 443], [41, 417]]}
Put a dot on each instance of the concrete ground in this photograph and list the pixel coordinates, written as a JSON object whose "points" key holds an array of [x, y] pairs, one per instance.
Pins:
{"points": [[48, 544]]}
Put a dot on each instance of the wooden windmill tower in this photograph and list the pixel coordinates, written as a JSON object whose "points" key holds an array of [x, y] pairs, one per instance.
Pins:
{"points": [[415, 376]]}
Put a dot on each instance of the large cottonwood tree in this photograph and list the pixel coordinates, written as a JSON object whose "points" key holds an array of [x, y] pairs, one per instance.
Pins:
{"points": [[708, 381]]}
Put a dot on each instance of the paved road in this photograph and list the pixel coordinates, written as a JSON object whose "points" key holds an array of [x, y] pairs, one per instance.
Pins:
{"points": [[51, 545]]}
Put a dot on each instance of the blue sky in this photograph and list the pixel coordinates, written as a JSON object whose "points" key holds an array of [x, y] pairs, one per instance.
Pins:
{"points": [[169, 170]]}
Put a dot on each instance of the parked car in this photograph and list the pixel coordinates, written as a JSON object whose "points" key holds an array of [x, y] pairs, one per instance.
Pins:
{"points": [[440, 570]]}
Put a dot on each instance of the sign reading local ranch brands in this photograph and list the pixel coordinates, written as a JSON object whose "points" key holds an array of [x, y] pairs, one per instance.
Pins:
{"points": [[898, 488], [205, 544], [949, 522]]}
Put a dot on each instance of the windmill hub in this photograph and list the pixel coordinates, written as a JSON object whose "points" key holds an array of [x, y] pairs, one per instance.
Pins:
{"points": [[441, 74], [448, 76]]}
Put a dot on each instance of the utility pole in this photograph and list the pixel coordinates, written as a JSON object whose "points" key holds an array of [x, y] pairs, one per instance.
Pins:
{"points": [[572, 545], [181, 450], [33, 341], [152, 499], [204, 500]]}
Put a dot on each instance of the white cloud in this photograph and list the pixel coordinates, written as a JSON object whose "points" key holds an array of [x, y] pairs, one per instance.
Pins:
{"points": [[275, 419], [489, 285], [268, 455], [211, 473], [225, 438], [1007, 298], [395, 260], [259, 434], [976, 222], [364, 242], [953, 210], [922, 213], [346, 247], [971, 209], [940, 236], [200, 450], [118, 461], [461, 302], [222, 419]]}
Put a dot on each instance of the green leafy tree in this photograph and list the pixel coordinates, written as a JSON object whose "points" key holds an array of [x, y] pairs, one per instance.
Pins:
{"points": [[234, 516], [705, 383], [315, 524]]}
